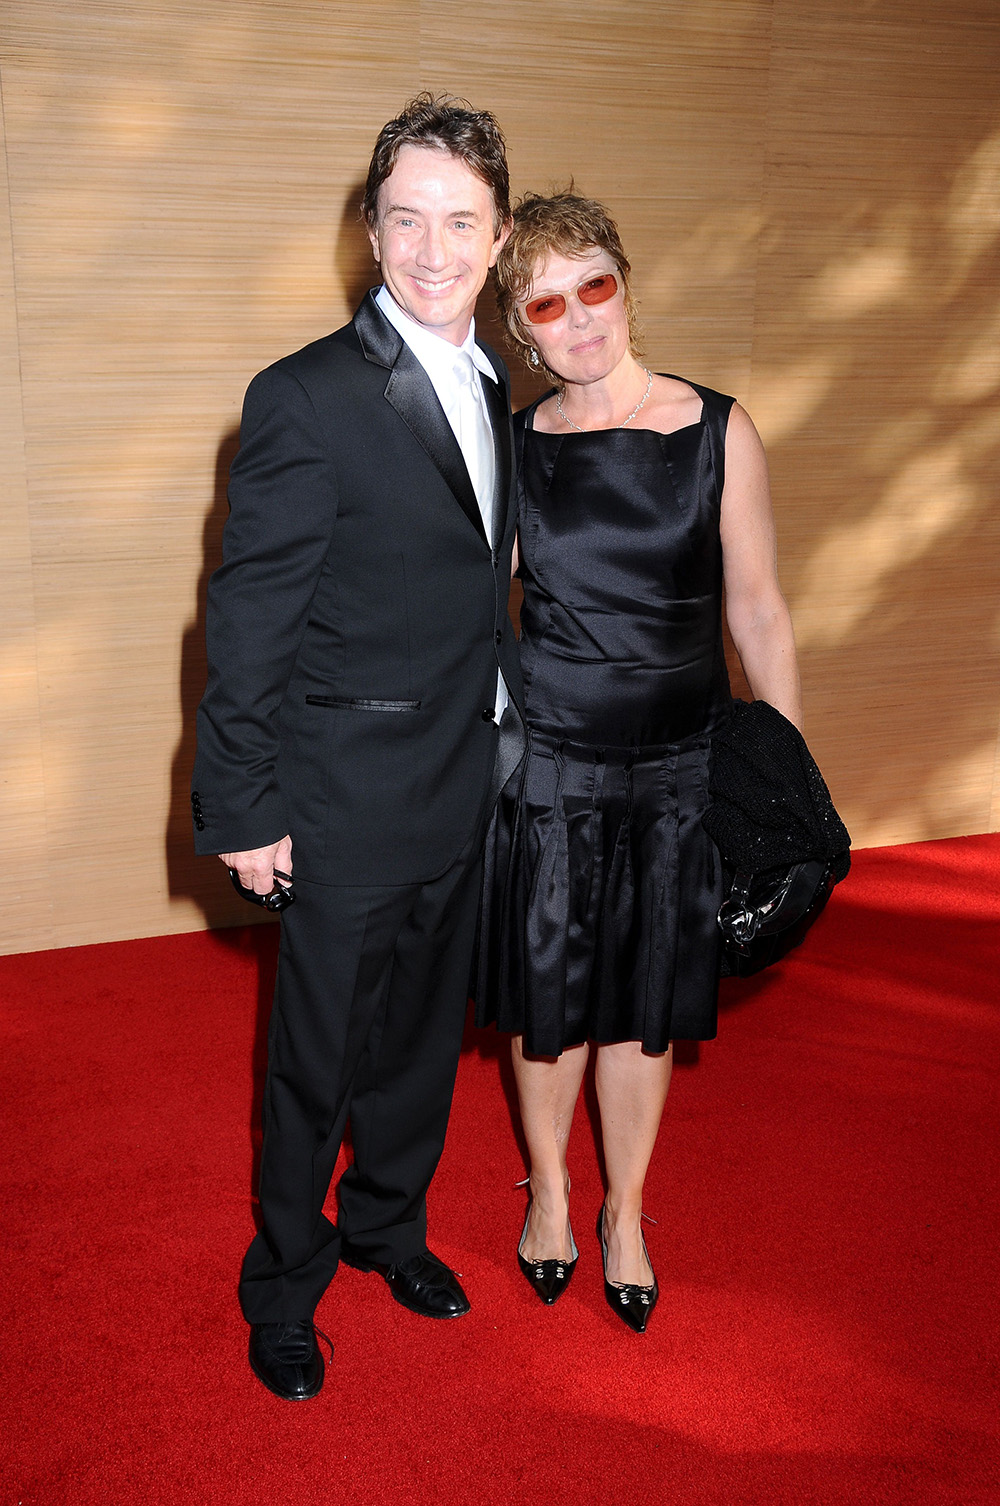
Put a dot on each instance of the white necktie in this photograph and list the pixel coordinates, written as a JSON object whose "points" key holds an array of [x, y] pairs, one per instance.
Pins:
{"points": [[475, 437]]}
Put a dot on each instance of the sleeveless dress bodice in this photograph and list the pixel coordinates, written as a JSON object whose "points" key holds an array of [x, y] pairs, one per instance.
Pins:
{"points": [[602, 886], [621, 564]]}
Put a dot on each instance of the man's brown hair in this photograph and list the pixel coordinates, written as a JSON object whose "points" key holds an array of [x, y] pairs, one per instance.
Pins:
{"points": [[450, 125]]}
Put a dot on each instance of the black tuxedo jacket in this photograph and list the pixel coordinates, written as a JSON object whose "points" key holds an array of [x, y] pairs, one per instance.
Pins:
{"points": [[357, 621]]}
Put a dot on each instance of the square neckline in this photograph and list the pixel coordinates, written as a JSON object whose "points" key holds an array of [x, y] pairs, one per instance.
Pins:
{"points": [[531, 409]]}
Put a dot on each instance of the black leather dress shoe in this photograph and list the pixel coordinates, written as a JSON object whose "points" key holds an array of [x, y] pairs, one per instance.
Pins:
{"points": [[422, 1283], [286, 1358]]}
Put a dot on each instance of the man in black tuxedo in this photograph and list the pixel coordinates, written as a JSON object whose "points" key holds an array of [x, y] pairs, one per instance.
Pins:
{"points": [[361, 716]]}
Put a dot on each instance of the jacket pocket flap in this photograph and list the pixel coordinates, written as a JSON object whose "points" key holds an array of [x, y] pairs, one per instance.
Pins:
{"points": [[357, 703]]}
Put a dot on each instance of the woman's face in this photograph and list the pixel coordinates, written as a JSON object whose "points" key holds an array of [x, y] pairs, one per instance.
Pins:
{"points": [[588, 340]]}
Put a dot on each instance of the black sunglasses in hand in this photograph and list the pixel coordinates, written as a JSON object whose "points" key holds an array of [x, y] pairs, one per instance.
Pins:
{"points": [[280, 897]]}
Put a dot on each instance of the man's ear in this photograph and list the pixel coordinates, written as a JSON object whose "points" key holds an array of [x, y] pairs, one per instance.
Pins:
{"points": [[501, 240], [373, 240]]}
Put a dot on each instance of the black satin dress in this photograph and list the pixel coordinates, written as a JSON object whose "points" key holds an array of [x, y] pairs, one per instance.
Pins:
{"points": [[602, 886]]}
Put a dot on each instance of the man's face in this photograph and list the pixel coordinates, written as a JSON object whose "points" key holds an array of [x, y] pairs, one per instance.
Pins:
{"points": [[434, 240]]}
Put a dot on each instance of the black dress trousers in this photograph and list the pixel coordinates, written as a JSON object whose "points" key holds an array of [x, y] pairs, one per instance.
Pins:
{"points": [[367, 1022]]}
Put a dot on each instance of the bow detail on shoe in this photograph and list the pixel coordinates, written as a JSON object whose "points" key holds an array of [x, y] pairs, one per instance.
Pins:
{"points": [[632, 1303], [548, 1279]]}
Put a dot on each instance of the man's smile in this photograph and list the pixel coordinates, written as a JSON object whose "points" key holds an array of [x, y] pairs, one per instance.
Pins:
{"points": [[434, 287]]}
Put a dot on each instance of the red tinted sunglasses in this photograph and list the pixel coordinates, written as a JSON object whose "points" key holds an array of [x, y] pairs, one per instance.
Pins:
{"points": [[553, 305]]}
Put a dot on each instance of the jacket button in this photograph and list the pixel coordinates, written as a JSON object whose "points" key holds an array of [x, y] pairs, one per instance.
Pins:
{"points": [[499, 635], [488, 714], [195, 797], [199, 824]]}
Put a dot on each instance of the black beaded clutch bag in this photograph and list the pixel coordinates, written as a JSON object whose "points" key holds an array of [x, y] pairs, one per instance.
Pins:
{"points": [[783, 845]]}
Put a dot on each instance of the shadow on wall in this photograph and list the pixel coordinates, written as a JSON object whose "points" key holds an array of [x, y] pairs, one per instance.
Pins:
{"points": [[189, 876], [353, 260], [202, 879]]}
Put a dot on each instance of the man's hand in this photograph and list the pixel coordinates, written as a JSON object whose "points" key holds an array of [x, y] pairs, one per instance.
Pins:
{"points": [[256, 867]]}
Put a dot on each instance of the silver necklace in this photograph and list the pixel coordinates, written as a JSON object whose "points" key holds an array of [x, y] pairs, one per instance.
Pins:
{"points": [[625, 421]]}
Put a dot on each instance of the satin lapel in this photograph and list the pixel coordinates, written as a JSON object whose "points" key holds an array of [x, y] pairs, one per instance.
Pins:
{"points": [[499, 411], [410, 392]]}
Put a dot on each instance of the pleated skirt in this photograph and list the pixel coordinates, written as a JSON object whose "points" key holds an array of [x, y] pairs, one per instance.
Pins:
{"points": [[600, 897]]}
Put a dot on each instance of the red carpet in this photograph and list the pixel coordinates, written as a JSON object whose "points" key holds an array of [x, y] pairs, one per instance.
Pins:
{"points": [[825, 1186]]}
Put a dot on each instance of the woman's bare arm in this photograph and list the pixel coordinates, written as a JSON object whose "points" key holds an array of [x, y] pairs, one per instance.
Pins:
{"points": [[756, 611]]}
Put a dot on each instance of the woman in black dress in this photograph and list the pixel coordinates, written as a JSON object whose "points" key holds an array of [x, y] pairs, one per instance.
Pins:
{"points": [[641, 495]]}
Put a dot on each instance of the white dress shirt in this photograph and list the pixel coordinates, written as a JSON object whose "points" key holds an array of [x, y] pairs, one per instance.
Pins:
{"points": [[461, 396]]}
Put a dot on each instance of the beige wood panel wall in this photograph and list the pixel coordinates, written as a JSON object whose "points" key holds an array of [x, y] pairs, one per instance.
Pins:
{"points": [[875, 376], [810, 193]]}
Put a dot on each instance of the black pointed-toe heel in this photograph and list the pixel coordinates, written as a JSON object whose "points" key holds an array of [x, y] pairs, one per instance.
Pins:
{"points": [[548, 1279], [633, 1304]]}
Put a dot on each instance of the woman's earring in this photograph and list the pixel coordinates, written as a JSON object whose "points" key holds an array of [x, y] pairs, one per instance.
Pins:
{"points": [[533, 356]]}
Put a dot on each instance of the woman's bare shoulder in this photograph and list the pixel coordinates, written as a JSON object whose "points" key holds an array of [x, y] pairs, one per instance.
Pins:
{"points": [[672, 404]]}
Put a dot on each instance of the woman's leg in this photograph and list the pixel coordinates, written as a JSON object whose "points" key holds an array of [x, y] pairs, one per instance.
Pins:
{"points": [[631, 1090], [547, 1090]]}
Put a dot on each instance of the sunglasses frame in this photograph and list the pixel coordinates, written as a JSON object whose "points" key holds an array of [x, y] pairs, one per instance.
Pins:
{"points": [[614, 277]]}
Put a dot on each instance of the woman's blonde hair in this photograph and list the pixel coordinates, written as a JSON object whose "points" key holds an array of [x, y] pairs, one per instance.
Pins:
{"points": [[564, 224]]}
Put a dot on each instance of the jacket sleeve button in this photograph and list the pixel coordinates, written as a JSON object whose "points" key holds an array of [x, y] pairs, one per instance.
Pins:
{"points": [[488, 714]]}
